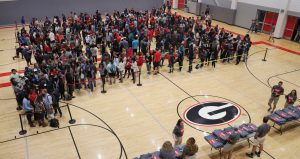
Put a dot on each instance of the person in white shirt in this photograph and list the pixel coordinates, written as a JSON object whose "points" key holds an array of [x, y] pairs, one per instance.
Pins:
{"points": [[121, 68], [134, 69], [94, 51], [87, 39], [51, 36]]}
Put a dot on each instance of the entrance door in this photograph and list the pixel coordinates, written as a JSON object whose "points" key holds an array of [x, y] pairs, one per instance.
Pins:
{"points": [[270, 22], [290, 27], [181, 4]]}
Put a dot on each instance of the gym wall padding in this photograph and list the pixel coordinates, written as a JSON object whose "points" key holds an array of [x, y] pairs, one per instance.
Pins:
{"points": [[219, 3], [12, 11], [222, 14], [246, 12], [194, 7]]}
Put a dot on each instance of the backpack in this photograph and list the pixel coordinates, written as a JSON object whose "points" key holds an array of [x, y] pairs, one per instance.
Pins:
{"points": [[113, 68], [68, 97], [54, 123]]}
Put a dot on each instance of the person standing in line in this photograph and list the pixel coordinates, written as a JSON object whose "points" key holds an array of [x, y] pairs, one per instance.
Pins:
{"points": [[260, 137], [61, 87], [48, 102], [190, 149], [135, 45], [148, 59], [276, 91], [140, 62], [134, 69], [180, 57], [111, 69], [191, 57], [231, 141], [171, 61], [28, 108], [290, 98], [127, 67], [178, 132], [156, 61], [239, 53], [40, 111], [121, 68], [70, 81], [102, 72], [55, 101], [167, 151]]}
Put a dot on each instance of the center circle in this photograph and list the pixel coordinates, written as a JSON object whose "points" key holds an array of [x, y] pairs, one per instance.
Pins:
{"points": [[206, 113], [212, 113]]}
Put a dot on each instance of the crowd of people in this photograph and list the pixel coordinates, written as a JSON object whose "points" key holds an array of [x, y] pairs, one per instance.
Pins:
{"points": [[71, 51]]}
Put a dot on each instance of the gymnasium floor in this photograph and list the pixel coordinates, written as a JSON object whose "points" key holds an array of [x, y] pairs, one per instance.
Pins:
{"points": [[129, 120]]}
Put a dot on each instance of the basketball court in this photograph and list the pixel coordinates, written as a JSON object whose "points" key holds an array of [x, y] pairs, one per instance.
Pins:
{"points": [[131, 120]]}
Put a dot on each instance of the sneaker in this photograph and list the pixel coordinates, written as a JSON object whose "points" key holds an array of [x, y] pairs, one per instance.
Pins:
{"points": [[269, 109], [249, 155], [257, 154]]}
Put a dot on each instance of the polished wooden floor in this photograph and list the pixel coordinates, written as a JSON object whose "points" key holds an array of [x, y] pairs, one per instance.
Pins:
{"points": [[144, 117]]}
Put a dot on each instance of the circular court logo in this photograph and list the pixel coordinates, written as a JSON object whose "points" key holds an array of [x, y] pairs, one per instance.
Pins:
{"points": [[212, 113]]}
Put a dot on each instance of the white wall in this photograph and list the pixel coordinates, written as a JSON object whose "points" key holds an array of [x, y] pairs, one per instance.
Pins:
{"points": [[294, 6], [265, 3]]}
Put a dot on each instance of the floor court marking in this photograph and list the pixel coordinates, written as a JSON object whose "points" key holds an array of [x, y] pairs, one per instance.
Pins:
{"points": [[288, 81], [189, 96], [61, 128], [259, 80], [109, 129], [74, 142], [99, 118], [280, 74]]}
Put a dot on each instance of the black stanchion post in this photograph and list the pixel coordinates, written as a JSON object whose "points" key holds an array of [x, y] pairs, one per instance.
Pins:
{"points": [[139, 84], [265, 55], [23, 131], [103, 91], [71, 121]]}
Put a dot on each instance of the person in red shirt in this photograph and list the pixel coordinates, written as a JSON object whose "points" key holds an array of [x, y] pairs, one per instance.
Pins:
{"points": [[140, 62], [156, 61], [150, 34], [127, 68], [130, 52]]}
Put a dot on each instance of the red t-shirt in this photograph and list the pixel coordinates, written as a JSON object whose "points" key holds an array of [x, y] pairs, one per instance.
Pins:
{"points": [[140, 61], [130, 52], [157, 56], [118, 38]]}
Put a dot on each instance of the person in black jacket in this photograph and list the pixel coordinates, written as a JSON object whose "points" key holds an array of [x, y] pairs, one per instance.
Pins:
{"points": [[240, 52], [61, 87], [171, 59], [191, 57], [148, 59], [70, 82]]}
